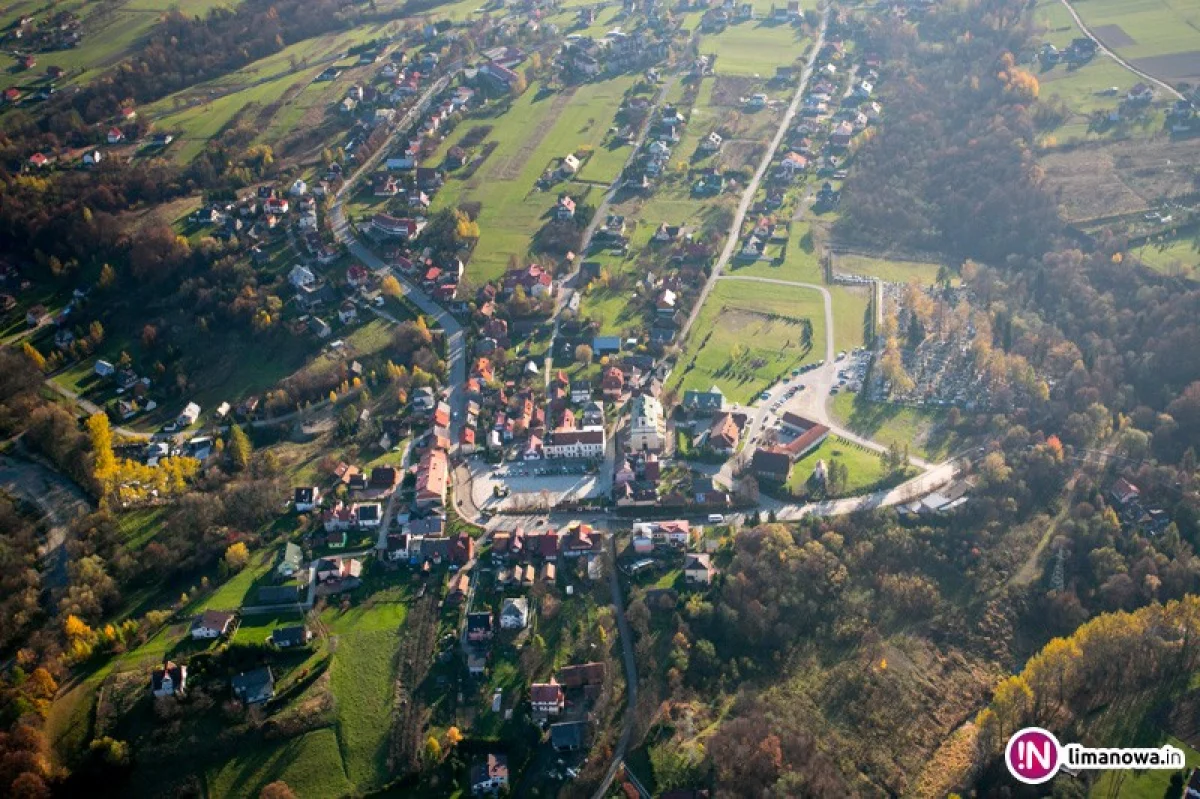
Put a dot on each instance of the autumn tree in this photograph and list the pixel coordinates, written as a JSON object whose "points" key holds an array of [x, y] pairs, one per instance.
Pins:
{"points": [[583, 354], [239, 448], [237, 555], [104, 460], [35, 357], [390, 287], [276, 790]]}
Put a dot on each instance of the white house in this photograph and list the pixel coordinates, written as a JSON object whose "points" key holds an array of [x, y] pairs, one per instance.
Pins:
{"points": [[570, 165], [115, 136], [586, 443], [301, 276], [298, 189], [211, 624], [92, 158], [104, 368], [189, 415]]}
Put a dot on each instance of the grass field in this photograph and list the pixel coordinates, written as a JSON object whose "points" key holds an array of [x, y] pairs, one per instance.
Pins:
{"points": [[361, 679], [917, 428], [761, 323], [754, 48], [1147, 28], [1175, 257], [863, 466], [532, 135], [311, 765], [110, 30], [889, 270], [1147, 784], [271, 81]]}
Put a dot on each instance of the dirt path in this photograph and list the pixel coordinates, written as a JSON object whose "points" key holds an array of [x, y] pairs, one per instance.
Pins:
{"points": [[60, 502]]}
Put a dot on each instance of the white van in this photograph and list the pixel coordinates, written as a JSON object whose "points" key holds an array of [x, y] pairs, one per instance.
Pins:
{"points": [[716, 518]]}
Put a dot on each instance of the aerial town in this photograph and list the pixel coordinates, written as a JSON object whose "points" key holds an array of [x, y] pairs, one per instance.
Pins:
{"points": [[631, 398]]}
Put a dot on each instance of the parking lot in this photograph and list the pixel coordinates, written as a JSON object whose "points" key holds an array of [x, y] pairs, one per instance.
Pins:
{"points": [[518, 485]]}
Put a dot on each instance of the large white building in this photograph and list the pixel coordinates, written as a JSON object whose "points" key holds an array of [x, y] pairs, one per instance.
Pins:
{"points": [[647, 426], [586, 443]]}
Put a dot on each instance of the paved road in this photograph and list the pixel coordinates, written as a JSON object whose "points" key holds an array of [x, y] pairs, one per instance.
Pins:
{"points": [[1100, 45], [456, 345], [735, 229], [812, 402]]}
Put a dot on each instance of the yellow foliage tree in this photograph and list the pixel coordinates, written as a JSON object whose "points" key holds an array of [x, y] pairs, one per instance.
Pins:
{"points": [[76, 627], [391, 287], [31, 352], [104, 461], [237, 556]]}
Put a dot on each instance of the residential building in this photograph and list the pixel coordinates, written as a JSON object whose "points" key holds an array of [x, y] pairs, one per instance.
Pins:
{"points": [[586, 443], [480, 627], [547, 698], [568, 736], [306, 498], [289, 562], [432, 476], [698, 569], [724, 434], [169, 679], [514, 613], [253, 687], [290, 637], [647, 425], [711, 401], [489, 776], [189, 415], [581, 675], [771, 464], [565, 208], [211, 624]]}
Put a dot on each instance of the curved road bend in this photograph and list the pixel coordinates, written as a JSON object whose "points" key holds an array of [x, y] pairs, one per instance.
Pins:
{"points": [[1111, 54], [813, 401]]}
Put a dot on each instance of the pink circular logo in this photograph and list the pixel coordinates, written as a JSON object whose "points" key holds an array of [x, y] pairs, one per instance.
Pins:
{"points": [[1033, 755]]}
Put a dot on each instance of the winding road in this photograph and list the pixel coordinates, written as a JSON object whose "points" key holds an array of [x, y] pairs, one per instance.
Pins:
{"points": [[813, 401], [1146, 76]]}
